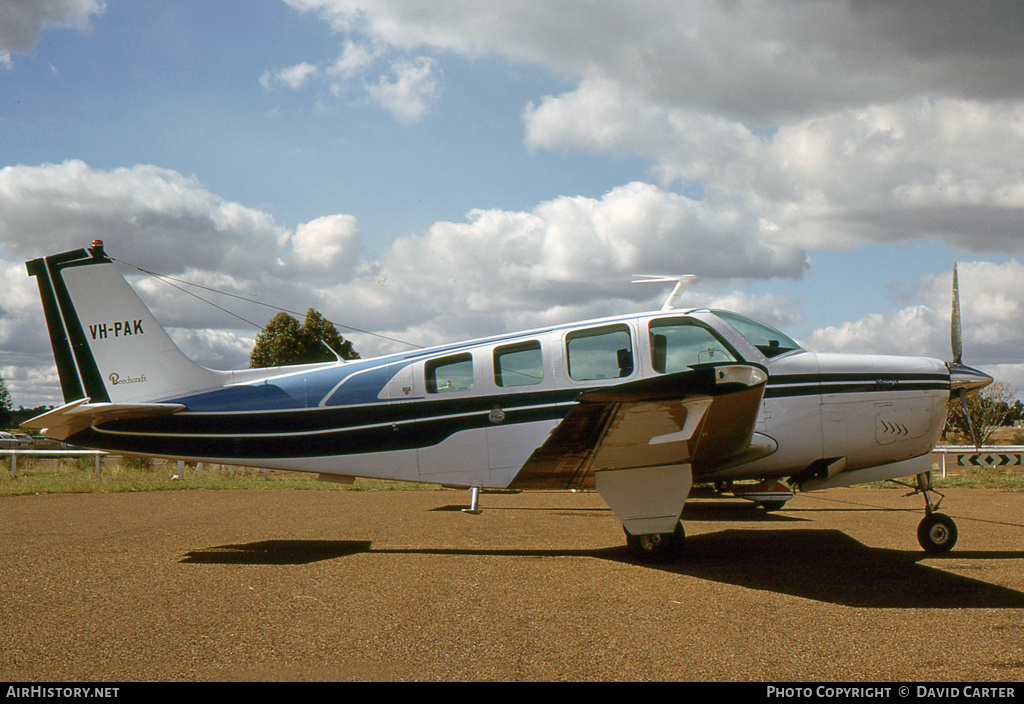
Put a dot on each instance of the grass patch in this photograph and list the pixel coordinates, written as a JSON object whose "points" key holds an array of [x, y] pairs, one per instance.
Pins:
{"points": [[122, 474], [980, 478]]}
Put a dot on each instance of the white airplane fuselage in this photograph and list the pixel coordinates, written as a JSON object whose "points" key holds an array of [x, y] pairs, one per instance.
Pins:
{"points": [[641, 406], [386, 418]]}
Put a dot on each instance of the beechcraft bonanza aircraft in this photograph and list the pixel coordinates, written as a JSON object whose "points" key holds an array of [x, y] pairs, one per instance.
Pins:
{"points": [[640, 407]]}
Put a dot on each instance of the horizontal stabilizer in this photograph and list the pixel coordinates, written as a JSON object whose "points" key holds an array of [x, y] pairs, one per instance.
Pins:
{"points": [[72, 418]]}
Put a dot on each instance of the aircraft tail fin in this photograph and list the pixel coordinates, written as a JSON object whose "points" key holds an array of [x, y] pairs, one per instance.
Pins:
{"points": [[107, 345]]}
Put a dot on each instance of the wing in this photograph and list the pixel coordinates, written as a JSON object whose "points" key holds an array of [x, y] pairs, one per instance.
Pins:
{"points": [[71, 418], [704, 417]]}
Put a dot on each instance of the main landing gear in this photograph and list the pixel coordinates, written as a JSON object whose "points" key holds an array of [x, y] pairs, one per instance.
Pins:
{"points": [[657, 547], [937, 532]]}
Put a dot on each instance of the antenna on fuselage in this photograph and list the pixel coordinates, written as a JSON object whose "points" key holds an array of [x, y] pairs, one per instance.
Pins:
{"points": [[336, 353], [680, 282]]}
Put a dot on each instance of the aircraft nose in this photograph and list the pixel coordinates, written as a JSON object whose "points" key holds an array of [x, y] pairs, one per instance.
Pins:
{"points": [[967, 378]]}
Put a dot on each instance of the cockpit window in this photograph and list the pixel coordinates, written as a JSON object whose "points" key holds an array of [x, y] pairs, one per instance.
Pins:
{"points": [[767, 339], [680, 343]]}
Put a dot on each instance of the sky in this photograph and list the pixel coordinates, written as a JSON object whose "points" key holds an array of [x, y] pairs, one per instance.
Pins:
{"points": [[435, 170]]}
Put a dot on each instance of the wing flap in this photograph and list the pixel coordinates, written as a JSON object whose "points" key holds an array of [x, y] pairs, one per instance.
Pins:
{"points": [[65, 421], [704, 417]]}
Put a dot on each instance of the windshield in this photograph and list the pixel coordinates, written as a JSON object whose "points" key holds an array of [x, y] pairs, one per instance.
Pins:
{"points": [[767, 339]]}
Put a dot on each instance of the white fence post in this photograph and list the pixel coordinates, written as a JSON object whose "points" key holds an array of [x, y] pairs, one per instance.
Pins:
{"points": [[13, 454]]}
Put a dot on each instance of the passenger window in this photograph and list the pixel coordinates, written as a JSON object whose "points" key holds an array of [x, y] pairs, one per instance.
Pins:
{"points": [[518, 365], [679, 343], [450, 374], [599, 353]]}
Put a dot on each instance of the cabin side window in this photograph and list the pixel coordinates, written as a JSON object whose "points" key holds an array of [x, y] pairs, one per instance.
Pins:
{"points": [[679, 343], [449, 374], [518, 365], [599, 353]]}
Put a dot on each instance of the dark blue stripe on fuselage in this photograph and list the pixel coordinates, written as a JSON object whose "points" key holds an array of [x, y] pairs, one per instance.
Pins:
{"points": [[382, 427], [322, 432], [787, 386]]}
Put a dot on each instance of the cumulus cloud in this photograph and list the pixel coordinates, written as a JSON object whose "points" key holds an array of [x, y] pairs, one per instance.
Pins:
{"points": [[991, 301], [354, 59], [835, 123], [157, 214], [407, 90], [565, 259], [579, 245], [756, 61], [925, 167], [327, 245], [495, 271], [293, 77], [23, 21], [407, 87]]}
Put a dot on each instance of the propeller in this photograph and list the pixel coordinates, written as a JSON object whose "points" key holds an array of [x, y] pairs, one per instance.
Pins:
{"points": [[962, 379], [955, 334]]}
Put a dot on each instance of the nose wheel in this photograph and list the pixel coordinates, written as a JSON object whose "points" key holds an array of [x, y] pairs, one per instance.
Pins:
{"points": [[936, 532]]}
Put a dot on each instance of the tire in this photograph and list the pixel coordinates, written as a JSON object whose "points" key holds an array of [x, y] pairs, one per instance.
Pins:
{"points": [[657, 547], [937, 533]]}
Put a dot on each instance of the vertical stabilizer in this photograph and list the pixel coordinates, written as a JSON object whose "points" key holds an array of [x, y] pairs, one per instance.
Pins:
{"points": [[106, 343]]}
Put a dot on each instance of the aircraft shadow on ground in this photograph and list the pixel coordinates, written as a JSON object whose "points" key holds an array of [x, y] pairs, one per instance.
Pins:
{"points": [[823, 565], [830, 566], [733, 512], [277, 552]]}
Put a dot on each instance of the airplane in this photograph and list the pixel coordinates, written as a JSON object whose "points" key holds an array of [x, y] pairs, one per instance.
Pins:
{"points": [[640, 407]]}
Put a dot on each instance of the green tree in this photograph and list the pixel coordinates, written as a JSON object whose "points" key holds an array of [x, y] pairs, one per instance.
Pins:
{"points": [[283, 341], [5, 405], [1016, 412]]}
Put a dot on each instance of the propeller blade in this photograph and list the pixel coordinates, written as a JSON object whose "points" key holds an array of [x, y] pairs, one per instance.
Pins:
{"points": [[963, 379], [962, 393], [956, 337]]}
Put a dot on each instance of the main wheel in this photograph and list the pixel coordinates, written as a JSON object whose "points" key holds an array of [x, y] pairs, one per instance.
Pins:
{"points": [[657, 547], [937, 533]]}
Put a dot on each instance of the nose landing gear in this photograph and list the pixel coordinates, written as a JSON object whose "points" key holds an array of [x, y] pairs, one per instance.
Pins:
{"points": [[937, 532]]}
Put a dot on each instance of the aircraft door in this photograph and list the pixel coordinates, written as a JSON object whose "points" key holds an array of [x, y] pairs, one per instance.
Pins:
{"points": [[452, 440], [522, 373]]}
